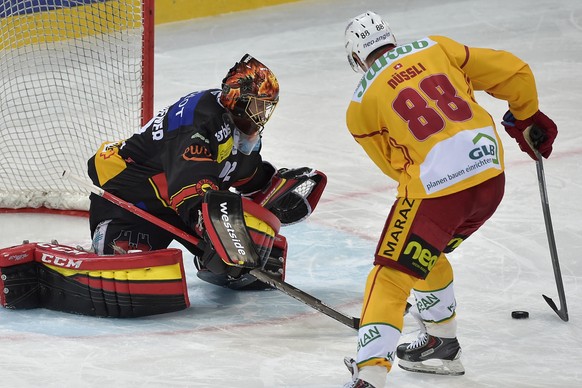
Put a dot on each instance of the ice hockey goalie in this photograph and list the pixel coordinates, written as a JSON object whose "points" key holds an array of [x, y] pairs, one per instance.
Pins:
{"points": [[62, 278]]}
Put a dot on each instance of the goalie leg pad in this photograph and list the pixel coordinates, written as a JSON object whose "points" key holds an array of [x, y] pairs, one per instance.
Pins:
{"points": [[19, 286], [70, 280]]}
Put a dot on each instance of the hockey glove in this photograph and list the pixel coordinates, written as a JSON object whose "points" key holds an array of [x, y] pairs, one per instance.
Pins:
{"points": [[519, 130], [291, 194]]}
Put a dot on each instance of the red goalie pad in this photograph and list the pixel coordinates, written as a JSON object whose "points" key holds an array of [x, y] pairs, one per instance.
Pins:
{"points": [[62, 278]]}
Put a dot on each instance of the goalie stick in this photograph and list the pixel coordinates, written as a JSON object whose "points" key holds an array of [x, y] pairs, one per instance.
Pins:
{"points": [[285, 287], [536, 135]]}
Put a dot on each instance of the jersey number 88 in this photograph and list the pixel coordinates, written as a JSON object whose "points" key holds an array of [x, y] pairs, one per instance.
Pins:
{"points": [[423, 120]]}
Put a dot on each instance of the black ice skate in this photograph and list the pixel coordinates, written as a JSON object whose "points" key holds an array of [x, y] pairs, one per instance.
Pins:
{"points": [[356, 382], [430, 354]]}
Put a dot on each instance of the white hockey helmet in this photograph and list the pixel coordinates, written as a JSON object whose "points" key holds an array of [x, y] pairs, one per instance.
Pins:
{"points": [[364, 34]]}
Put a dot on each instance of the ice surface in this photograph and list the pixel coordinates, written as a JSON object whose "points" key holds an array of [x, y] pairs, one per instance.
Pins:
{"points": [[267, 339]]}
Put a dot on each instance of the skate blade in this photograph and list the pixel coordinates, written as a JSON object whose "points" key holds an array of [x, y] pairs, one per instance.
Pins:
{"points": [[434, 366]]}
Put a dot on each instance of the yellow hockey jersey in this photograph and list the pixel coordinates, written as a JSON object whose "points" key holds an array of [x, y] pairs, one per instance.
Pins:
{"points": [[414, 113]]}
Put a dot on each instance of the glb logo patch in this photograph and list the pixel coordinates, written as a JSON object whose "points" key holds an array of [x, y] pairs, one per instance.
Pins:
{"points": [[485, 150], [460, 157]]}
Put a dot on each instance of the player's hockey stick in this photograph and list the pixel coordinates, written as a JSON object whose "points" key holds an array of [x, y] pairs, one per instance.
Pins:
{"points": [[310, 300], [262, 276], [304, 297], [536, 136]]}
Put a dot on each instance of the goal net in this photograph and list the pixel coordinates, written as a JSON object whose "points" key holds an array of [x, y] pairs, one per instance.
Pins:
{"points": [[73, 74]]}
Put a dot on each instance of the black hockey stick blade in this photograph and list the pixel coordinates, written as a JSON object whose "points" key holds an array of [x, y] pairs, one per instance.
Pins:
{"points": [[305, 298], [562, 312]]}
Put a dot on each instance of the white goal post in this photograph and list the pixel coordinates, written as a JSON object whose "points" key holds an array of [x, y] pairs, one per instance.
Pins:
{"points": [[73, 74]]}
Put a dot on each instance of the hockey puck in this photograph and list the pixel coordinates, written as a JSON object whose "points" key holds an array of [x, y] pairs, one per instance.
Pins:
{"points": [[519, 314]]}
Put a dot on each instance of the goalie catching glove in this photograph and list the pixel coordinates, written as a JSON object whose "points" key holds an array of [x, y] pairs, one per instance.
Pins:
{"points": [[292, 194]]}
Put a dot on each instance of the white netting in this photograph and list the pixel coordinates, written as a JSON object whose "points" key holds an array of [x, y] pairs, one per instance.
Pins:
{"points": [[71, 78]]}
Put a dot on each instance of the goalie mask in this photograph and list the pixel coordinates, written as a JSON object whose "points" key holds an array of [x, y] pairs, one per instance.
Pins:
{"points": [[364, 34], [250, 91]]}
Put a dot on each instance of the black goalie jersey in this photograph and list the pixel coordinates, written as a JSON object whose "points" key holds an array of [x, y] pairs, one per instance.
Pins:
{"points": [[185, 150]]}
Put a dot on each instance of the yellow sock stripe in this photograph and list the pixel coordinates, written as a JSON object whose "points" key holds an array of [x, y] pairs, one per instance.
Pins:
{"points": [[439, 278]]}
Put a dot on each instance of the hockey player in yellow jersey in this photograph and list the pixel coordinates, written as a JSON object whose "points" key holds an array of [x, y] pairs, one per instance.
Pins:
{"points": [[414, 113]]}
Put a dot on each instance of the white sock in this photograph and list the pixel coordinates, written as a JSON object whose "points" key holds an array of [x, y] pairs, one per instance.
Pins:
{"points": [[375, 375], [443, 330]]}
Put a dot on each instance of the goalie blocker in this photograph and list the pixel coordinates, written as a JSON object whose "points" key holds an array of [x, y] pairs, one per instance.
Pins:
{"points": [[62, 278], [242, 236], [290, 197]]}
